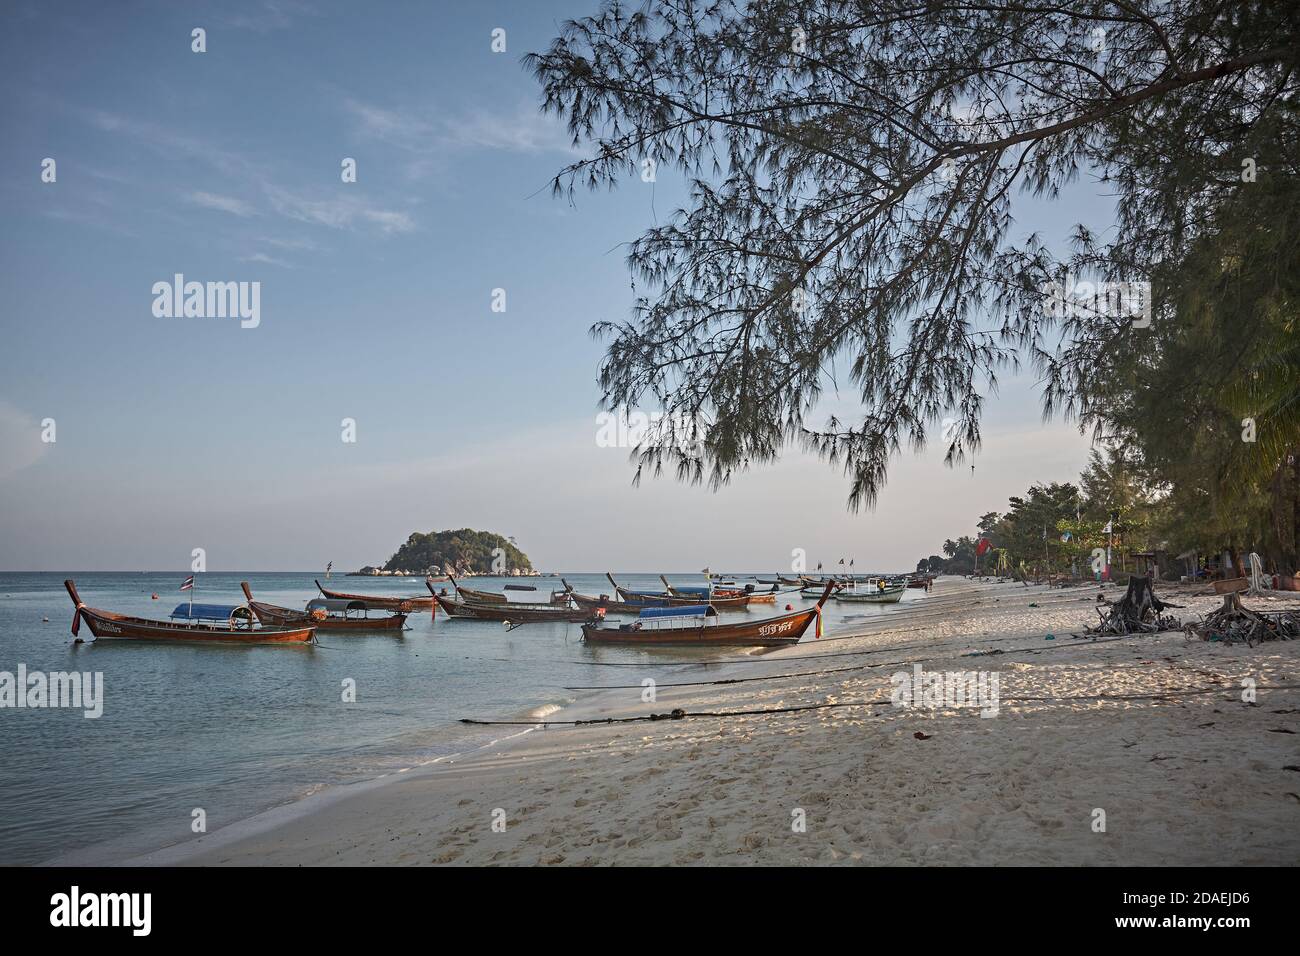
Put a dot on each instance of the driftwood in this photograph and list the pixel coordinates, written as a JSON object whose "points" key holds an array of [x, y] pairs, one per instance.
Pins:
{"points": [[1234, 623], [1138, 611]]}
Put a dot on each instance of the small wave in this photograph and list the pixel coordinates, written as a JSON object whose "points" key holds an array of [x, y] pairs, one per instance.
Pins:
{"points": [[545, 710]]}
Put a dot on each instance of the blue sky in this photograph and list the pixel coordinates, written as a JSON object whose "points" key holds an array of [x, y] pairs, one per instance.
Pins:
{"points": [[375, 305]]}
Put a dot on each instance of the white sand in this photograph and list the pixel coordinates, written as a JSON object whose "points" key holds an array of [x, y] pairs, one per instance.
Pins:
{"points": [[1192, 779]]}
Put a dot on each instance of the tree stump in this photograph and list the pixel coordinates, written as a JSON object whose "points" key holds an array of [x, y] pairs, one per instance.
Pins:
{"points": [[1139, 610]]}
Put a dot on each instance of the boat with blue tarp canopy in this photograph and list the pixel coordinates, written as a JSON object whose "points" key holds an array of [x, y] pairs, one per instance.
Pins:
{"points": [[192, 623], [699, 624], [679, 597]]}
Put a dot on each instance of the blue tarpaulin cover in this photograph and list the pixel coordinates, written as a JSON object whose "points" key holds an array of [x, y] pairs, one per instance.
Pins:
{"points": [[209, 612], [689, 610]]}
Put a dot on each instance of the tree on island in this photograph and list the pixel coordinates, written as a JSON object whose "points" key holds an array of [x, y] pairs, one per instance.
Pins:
{"points": [[461, 552]]}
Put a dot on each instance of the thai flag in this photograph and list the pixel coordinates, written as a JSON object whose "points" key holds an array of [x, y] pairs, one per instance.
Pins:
{"points": [[188, 584]]}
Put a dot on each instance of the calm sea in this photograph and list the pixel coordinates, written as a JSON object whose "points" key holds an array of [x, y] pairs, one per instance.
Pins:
{"points": [[236, 730]]}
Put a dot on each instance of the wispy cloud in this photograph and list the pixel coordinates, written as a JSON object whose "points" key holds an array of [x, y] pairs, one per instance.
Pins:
{"points": [[264, 258], [297, 245], [428, 138], [333, 210], [270, 15], [228, 204], [339, 211], [522, 129]]}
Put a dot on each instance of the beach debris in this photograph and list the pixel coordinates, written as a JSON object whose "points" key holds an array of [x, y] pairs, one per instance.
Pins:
{"points": [[1138, 611], [920, 736], [1234, 623]]}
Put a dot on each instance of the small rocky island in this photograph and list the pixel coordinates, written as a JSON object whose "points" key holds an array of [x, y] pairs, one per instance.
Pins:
{"points": [[464, 553]]}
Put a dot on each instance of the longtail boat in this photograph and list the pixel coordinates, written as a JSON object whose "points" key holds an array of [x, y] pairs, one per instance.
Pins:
{"points": [[734, 591], [886, 595], [812, 591], [512, 612], [685, 597], [603, 602], [698, 626], [480, 597], [192, 623], [326, 614], [404, 604]]}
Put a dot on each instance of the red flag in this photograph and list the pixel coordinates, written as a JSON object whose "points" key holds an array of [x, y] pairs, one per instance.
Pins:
{"points": [[982, 547]]}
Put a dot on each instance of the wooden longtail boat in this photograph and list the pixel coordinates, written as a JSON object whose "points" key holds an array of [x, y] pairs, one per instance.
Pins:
{"points": [[812, 592], [326, 614], [699, 626], [661, 599], [513, 612], [201, 624], [405, 604], [480, 597], [754, 597], [601, 603], [879, 596]]}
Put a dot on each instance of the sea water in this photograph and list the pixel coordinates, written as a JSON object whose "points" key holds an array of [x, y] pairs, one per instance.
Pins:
{"points": [[213, 734]]}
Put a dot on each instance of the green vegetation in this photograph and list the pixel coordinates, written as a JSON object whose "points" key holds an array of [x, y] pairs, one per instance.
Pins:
{"points": [[1118, 503], [462, 552]]}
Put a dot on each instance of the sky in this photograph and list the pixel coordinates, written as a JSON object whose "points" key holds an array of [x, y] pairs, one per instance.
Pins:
{"points": [[376, 306]]}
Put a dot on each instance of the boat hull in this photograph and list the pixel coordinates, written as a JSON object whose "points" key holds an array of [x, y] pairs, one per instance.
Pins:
{"points": [[287, 617], [108, 626], [404, 604], [512, 612], [609, 605], [774, 632], [888, 597], [719, 603]]}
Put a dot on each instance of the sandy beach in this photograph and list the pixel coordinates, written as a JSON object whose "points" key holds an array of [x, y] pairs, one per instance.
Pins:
{"points": [[1150, 729]]}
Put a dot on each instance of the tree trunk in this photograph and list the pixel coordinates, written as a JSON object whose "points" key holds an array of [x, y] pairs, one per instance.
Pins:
{"points": [[1292, 556]]}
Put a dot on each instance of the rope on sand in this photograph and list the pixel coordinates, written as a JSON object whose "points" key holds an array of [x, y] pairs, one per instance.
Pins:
{"points": [[768, 711]]}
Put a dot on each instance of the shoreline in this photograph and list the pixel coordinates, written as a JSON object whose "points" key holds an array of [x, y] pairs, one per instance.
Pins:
{"points": [[872, 791]]}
